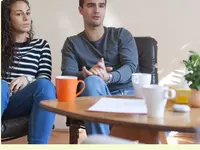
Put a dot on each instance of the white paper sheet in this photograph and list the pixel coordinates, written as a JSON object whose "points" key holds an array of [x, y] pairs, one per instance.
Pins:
{"points": [[119, 105]]}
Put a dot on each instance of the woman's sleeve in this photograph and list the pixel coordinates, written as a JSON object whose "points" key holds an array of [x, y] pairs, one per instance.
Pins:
{"points": [[45, 62]]}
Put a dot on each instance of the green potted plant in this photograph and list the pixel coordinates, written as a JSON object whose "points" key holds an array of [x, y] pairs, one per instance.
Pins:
{"points": [[193, 78]]}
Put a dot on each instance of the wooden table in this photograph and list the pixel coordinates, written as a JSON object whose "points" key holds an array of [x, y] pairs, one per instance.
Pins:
{"points": [[129, 126]]}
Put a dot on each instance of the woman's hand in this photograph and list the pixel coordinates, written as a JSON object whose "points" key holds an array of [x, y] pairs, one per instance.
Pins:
{"points": [[18, 83]]}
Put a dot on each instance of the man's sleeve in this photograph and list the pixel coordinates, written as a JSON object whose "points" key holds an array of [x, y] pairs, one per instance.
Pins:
{"points": [[69, 64], [128, 55]]}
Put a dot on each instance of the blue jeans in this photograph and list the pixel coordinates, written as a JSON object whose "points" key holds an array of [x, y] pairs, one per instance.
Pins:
{"points": [[26, 102], [95, 86]]}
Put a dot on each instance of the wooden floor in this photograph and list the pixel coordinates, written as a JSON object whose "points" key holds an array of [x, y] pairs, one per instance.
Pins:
{"points": [[62, 137]]}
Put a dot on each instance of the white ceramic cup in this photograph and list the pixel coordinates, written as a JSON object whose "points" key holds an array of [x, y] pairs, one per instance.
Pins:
{"points": [[138, 80], [156, 98]]}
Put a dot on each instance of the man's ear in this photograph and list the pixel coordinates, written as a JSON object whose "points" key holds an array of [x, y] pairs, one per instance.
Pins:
{"points": [[80, 10]]}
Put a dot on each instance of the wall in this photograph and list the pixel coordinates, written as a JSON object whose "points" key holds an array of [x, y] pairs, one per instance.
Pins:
{"points": [[173, 23]]}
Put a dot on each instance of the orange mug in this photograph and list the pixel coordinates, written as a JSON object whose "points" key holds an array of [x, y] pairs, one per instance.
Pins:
{"points": [[66, 88]]}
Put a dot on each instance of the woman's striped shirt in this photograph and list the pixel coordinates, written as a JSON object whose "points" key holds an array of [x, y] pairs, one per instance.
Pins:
{"points": [[32, 59]]}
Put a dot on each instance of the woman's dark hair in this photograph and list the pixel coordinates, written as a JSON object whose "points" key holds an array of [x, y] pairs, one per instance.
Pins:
{"points": [[8, 50], [81, 2]]}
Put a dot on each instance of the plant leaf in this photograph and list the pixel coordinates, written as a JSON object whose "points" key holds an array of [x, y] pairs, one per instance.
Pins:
{"points": [[193, 52], [193, 66]]}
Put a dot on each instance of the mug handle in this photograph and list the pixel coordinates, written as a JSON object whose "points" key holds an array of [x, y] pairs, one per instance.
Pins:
{"points": [[173, 94], [80, 81]]}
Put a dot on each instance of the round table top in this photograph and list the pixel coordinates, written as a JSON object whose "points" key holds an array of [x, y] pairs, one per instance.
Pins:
{"points": [[172, 121]]}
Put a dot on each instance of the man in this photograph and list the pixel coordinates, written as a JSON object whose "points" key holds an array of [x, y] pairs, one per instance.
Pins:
{"points": [[104, 58]]}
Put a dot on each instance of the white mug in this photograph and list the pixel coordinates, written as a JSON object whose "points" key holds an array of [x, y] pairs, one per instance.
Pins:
{"points": [[138, 80], [156, 98]]}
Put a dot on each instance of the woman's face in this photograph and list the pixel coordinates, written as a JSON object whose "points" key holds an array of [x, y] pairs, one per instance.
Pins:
{"points": [[20, 17]]}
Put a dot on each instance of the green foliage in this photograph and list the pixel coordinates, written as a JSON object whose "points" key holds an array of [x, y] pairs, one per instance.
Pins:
{"points": [[193, 67]]}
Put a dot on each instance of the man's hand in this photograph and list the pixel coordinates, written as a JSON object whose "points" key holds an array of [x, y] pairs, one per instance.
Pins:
{"points": [[86, 72], [109, 69], [100, 70], [18, 83]]}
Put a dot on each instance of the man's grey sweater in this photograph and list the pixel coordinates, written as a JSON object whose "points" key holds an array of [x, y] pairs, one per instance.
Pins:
{"points": [[117, 47]]}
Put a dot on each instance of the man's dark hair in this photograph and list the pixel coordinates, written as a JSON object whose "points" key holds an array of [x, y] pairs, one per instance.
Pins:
{"points": [[81, 2]]}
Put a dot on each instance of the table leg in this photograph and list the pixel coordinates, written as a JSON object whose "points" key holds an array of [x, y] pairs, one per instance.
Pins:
{"points": [[137, 134], [73, 134]]}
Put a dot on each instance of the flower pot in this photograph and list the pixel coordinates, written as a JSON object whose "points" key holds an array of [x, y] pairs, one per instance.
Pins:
{"points": [[194, 98]]}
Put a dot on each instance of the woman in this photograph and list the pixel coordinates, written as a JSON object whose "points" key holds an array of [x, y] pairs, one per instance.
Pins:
{"points": [[26, 71]]}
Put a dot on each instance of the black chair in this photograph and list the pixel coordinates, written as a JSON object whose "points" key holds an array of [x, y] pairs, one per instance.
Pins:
{"points": [[147, 49], [14, 128]]}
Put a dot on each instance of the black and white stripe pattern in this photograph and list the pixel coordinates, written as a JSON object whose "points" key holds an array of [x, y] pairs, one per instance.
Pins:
{"points": [[32, 59]]}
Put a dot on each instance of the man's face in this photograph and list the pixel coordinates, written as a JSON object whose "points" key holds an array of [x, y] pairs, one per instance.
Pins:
{"points": [[93, 12]]}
